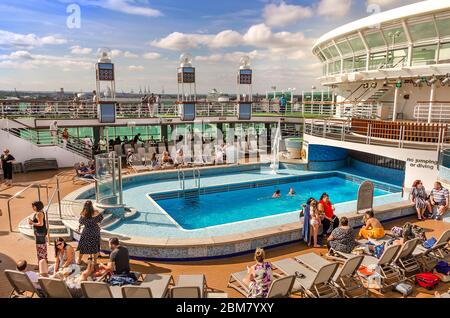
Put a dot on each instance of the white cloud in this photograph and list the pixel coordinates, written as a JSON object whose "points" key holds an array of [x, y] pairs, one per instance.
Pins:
{"points": [[116, 53], [130, 55], [230, 57], [226, 38], [80, 50], [285, 14], [10, 39], [151, 56], [136, 68], [132, 7], [181, 41], [334, 8], [26, 60], [259, 35]]}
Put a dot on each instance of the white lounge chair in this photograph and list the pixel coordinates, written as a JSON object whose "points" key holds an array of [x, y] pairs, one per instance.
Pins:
{"points": [[189, 286], [22, 286], [280, 287], [100, 290], [311, 284], [54, 288], [136, 292], [158, 284], [405, 259]]}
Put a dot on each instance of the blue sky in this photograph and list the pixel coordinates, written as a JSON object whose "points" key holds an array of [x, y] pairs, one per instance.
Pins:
{"points": [[38, 51]]}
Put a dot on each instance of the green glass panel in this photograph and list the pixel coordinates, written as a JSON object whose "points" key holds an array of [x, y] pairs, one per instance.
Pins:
{"points": [[344, 47], [424, 55], [444, 53], [348, 65], [333, 51], [360, 63], [357, 44], [443, 27], [422, 31], [374, 39], [395, 35]]}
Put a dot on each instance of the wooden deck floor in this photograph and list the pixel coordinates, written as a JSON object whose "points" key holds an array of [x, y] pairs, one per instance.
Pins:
{"points": [[13, 246]]}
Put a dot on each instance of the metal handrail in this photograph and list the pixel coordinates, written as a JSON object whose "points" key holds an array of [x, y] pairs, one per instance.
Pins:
{"points": [[196, 175], [48, 208], [181, 178], [18, 194]]}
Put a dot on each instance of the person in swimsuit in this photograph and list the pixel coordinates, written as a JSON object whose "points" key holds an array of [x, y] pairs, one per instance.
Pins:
{"points": [[372, 228]]}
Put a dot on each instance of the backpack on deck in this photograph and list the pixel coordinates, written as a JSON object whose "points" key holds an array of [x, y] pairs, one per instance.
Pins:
{"points": [[427, 280], [443, 268]]}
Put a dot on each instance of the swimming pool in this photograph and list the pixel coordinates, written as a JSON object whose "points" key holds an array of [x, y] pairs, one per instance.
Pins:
{"points": [[195, 211]]}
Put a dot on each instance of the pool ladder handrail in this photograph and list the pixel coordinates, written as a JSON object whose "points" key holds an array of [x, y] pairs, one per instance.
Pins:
{"points": [[197, 176], [181, 178]]}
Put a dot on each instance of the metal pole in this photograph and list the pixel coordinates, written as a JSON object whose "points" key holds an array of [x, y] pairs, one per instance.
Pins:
{"points": [[59, 197], [394, 111], [120, 184], [9, 217], [430, 109]]}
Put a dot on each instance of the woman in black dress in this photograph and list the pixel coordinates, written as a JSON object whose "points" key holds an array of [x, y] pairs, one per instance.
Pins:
{"points": [[90, 236], [7, 165], [40, 230]]}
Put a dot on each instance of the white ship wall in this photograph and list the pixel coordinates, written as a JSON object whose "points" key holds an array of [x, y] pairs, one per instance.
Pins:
{"points": [[420, 164], [23, 150]]}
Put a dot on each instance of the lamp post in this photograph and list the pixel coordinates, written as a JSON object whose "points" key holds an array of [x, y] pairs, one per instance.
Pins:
{"points": [[393, 36]]}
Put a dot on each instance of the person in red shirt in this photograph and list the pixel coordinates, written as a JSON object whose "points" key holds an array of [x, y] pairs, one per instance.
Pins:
{"points": [[326, 208]]}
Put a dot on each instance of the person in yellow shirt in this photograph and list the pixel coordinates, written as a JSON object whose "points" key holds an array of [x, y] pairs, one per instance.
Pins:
{"points": [[372, 228]]}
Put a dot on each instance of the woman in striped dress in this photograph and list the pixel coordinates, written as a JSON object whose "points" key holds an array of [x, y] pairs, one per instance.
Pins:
{"points": [[419, 198]]}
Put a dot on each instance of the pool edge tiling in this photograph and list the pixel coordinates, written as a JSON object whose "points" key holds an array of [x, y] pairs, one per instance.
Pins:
{"points": [[214, 242]]}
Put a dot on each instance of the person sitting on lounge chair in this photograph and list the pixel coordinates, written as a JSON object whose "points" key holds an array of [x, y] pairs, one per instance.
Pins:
{"points": [[32, 275], [130, 157], [165, 159], [179, 159], [85, 172], [439, 198], [372, 228], [342, 238], [154, 162], [119, 263], [259, 277]]}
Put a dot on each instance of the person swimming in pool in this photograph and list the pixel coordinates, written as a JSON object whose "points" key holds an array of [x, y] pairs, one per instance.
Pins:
{"points": [[276, 195], [291, 192]]}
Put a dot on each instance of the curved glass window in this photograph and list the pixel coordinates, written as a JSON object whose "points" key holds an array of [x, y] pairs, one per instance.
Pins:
{"points": [[333, 51], [344, 47], [357, 44], [424, 55], [374, 39], [422, 31], [326, 53], [443, 27], [377, 61], [444, 53], [334, 67], [348, 65], [395, 36], [360, 63]]}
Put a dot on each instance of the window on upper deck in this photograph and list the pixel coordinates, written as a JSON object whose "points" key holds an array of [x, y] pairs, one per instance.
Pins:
{"points": [[422, 31]]}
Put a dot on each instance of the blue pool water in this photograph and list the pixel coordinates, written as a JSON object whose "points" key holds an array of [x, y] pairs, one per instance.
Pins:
{"points": [[208, 210]]}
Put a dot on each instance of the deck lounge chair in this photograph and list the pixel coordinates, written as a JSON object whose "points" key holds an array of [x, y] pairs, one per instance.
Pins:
{"points": [[390, 275], [54, 288], [189, 286], [405, 259], [439, 250], [345, 278], [158, 284], [136, 292], [310, 283], [347, 281], [280, 287], [22, 286], [100, 290], [79, 177]]}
